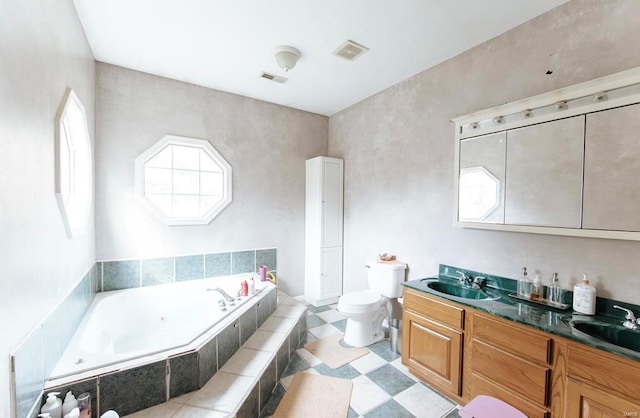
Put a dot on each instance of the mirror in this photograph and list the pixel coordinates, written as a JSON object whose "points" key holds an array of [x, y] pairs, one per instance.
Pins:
{"points": [[544, 174], [612, 170], [481, 181]]}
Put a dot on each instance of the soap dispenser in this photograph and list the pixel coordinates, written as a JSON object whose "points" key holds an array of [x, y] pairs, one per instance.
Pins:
{"points": [[556, 292], [524, 285], [584, 297], [536, 288], [53, 406], [70, 402]]}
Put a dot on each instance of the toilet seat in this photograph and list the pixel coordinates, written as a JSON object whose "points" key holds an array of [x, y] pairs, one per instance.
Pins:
{"points": [[361, 302]]}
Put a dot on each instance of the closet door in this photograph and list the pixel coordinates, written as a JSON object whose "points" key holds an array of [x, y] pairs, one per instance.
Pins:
{"points": [[332, 203], [331, 272]]}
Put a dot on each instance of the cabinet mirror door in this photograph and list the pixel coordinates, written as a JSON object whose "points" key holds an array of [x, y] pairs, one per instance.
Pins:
{"points": [[612, 170], [544, 174], [481, 181]]}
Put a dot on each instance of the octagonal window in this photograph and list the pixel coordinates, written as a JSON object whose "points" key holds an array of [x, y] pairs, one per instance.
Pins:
{"points": [[73, 164], [479, 194], [184, 181]]}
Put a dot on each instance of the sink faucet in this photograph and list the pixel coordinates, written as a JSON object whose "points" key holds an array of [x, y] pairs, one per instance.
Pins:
{"points": [[224, 294], [478, 282], [631, 322], [464, 279]]}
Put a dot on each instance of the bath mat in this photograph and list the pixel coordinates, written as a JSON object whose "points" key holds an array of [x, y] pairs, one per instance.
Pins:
{"points": [[317, 396], [332, 353]]}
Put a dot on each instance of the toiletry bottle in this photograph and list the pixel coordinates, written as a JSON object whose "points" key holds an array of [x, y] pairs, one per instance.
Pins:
{"points": [[74, 413], [584, 297], [524, 286], [84, 405], [70, 402], [245, 288], [252, 287], [53, 406], [556, 292], [536, 288]]}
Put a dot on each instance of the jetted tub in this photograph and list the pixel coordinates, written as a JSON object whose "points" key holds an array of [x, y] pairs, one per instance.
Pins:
{"points": [[129, 324]]}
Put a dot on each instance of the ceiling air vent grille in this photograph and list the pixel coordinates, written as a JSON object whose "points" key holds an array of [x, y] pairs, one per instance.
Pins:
{"points": [[274, 77], [350, 50]]}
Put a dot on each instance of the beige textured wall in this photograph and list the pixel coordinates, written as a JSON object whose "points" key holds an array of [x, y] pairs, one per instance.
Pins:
{"points": [[43, 51], [398, 148], [266, 145]]}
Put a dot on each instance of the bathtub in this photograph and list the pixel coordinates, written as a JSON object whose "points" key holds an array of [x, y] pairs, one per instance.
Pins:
{"points": [[124, 325]]}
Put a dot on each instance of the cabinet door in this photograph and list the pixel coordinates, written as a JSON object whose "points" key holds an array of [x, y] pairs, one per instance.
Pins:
{"points": [[332, 203], [544, 174], [331, 272], [585, 401], [612, 169], [433, 351]]}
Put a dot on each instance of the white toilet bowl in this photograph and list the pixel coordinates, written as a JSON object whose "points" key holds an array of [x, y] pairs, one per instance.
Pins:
{"points": [[365, 310]]}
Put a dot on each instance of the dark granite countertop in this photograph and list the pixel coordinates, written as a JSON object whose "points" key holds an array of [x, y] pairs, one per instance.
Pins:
{"points": [[544, 318]]}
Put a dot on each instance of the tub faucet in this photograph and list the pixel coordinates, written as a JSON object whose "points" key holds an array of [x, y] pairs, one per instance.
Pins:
{"points": [[224, 294]]}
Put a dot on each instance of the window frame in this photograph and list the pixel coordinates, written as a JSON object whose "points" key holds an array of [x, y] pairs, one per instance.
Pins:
{"points": [[70, 174], [202, 144]]}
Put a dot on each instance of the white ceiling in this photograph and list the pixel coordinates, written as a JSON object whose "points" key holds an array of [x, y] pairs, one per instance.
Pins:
{"points": [[226, 44]]}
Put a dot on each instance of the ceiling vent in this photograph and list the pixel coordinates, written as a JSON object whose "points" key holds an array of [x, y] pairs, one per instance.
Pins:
{"points": [[274, 77], [350, 50]]}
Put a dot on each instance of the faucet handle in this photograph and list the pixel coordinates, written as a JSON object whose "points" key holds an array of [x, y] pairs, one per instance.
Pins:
{"points": [[629, 316], [463, 276], [480, 280]]}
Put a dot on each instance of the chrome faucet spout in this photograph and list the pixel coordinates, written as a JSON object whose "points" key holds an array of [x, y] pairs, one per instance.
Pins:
{"points": [[630, 319], [223, 293]]}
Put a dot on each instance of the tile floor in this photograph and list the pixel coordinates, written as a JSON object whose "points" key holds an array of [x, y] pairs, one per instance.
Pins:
{"points": [[382, 386]]}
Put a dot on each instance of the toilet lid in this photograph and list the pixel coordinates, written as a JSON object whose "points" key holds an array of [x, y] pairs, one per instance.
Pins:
{"points": [[361, 298]]}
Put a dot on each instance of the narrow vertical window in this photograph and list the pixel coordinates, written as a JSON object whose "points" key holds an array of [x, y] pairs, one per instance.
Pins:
{"points": [[73, 164]]}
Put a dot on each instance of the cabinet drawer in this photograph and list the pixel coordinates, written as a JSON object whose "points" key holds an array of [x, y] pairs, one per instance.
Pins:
{"points": [[434, 309], [527, 379], [483, 386], [605, 370], [512, 338]]}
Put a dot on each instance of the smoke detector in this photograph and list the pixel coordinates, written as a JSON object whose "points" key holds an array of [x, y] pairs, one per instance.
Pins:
{"points": [[287, 57], [350, 50]]}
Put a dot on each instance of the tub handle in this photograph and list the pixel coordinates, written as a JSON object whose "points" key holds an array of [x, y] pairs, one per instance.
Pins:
{"points": [[223, 306]]}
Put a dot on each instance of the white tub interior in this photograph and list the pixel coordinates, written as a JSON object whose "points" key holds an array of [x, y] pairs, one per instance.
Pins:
{"points": [[129, 324]]}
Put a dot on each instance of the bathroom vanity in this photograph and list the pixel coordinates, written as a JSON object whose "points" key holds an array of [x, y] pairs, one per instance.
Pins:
{"points": [[527, 355]]}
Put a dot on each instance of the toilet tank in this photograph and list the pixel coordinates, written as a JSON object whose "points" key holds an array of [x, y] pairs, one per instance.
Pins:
{"points": [[386, 278]]}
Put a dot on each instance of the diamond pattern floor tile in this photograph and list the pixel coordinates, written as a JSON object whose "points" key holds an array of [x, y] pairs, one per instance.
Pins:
{"points": [[392, 380], [382, 386]]}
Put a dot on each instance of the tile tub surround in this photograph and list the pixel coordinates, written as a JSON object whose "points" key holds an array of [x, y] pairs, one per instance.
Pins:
{"points": [[126, 274], [243, 384], [34, 359]]}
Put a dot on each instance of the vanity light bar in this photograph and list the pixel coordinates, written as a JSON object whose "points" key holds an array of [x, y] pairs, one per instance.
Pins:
{"points": [[586, 102]]}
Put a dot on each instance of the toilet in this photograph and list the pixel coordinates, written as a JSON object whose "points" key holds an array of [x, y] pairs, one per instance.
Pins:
{"points": [[366, 309]]}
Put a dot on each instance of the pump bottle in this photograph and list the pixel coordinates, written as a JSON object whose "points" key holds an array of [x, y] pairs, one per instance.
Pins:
{"points": [[53, 406]]}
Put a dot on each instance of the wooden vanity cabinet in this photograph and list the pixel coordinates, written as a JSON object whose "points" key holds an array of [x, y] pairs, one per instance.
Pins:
{"points": [[464, 353], [600, 385], [510, 362], [432, 341]]}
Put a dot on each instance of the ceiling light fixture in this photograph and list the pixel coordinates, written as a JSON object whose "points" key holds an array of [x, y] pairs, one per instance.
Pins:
{"points": [[287, 57]]}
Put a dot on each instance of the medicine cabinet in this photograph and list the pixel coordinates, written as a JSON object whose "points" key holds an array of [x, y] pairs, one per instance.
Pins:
{"points": [[565, 163]]}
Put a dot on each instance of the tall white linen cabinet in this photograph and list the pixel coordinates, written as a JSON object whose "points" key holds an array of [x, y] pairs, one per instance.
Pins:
{"points": [[323, 231]]}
